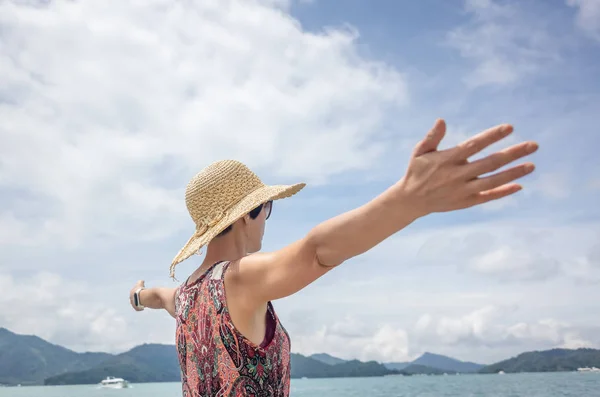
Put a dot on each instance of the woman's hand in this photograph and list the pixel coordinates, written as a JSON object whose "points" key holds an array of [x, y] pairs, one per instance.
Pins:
{"points": [[440, 181]]}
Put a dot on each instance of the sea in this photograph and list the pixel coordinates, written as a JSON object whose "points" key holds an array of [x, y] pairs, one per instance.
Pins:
{"points": [[564, 384]]}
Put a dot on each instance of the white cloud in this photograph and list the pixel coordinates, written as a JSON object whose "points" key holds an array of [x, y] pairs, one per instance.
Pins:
{"points": [[504, 44], [62, 311], [514, 252], [387, 345], [109, 107], [584, 269], [485, 335], [509, 263], [558, 334], [488, 328], [588, 16], [383, 343], [474, 327]]}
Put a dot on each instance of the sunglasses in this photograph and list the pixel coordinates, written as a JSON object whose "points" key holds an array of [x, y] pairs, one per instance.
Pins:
{"points": [[268, 208]]}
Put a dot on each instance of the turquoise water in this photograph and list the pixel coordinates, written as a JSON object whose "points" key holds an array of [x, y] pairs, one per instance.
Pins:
{"points": [[518, 385]]}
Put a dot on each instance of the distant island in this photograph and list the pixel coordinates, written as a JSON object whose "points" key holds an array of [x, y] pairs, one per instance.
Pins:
{"points": [[430, 363], [30, 360], [555, 360]]}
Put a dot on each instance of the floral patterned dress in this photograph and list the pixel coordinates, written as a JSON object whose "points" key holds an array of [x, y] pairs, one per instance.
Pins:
{"points": [[215, 358]]}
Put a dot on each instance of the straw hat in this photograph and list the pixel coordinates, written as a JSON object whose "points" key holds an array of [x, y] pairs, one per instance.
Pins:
{"points": [[221, 194]]}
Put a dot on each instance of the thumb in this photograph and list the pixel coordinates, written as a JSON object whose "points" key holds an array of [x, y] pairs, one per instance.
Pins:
{"points": [[432, 140], [141, 283]]}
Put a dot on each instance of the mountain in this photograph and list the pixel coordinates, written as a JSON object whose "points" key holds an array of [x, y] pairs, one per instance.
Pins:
{"points": [[355, 368], [28, 359], [447, 364], [145, 363], [430, 361], [327, 359], [416, 369], [309, 367], [397, 366], [554, 360]]}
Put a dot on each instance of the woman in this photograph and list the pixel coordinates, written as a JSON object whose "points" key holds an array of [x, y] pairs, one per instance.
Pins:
{"points": [[229, 339]]}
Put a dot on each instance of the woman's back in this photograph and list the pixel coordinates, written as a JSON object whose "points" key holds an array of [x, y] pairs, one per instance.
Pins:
{"points": [[215, 358]]}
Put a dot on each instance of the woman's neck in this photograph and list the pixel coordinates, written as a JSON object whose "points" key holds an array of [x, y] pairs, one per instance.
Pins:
{"points": [[225, 248]]}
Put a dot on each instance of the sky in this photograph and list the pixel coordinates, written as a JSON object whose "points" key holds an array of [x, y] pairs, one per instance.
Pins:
{"points": [[109, 107]]}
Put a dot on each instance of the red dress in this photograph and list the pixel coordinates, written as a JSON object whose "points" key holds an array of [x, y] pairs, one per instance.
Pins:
{"points": [[215, 358]]}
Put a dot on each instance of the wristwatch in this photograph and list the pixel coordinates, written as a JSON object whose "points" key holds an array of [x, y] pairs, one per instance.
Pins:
{"points": [[137, 302]]}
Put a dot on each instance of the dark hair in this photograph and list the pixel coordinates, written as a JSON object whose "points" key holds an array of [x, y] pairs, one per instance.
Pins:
{"points": [[253, 214]]}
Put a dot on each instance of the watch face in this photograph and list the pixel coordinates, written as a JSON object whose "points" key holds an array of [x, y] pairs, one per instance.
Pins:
{"points": [[136, 299]]}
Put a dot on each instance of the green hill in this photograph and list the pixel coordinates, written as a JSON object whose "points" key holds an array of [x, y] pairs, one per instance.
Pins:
{"points": [[447, 364], [555, 360], [397, 365], [417, 369], [145, 363], [428, 363], [327, 359], [28, 360], [355, 368], [308, 367], [435, 361]]}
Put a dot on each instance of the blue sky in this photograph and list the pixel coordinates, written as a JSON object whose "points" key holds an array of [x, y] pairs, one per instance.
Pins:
{"points": [[108, 109]]}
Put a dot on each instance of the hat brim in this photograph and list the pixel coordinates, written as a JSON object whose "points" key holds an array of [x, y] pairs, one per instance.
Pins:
{"points": [[241, 208]]}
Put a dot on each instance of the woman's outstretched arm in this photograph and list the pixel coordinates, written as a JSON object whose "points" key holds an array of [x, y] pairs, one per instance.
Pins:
{"points": [[435, 181]]}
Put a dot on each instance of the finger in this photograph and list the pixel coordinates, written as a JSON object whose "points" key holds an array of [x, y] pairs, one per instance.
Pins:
{"points": [[482, 140], [432, 140], [493, 181], [495, 194], [500, 159], [140, 283]]}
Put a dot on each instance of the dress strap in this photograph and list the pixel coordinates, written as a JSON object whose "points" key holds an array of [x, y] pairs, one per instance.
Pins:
{"points": [[217, 272]]}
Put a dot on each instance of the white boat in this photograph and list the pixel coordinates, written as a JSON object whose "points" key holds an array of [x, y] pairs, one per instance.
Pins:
{"points": [[588, 369], [114, 383], [501, 373]]}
